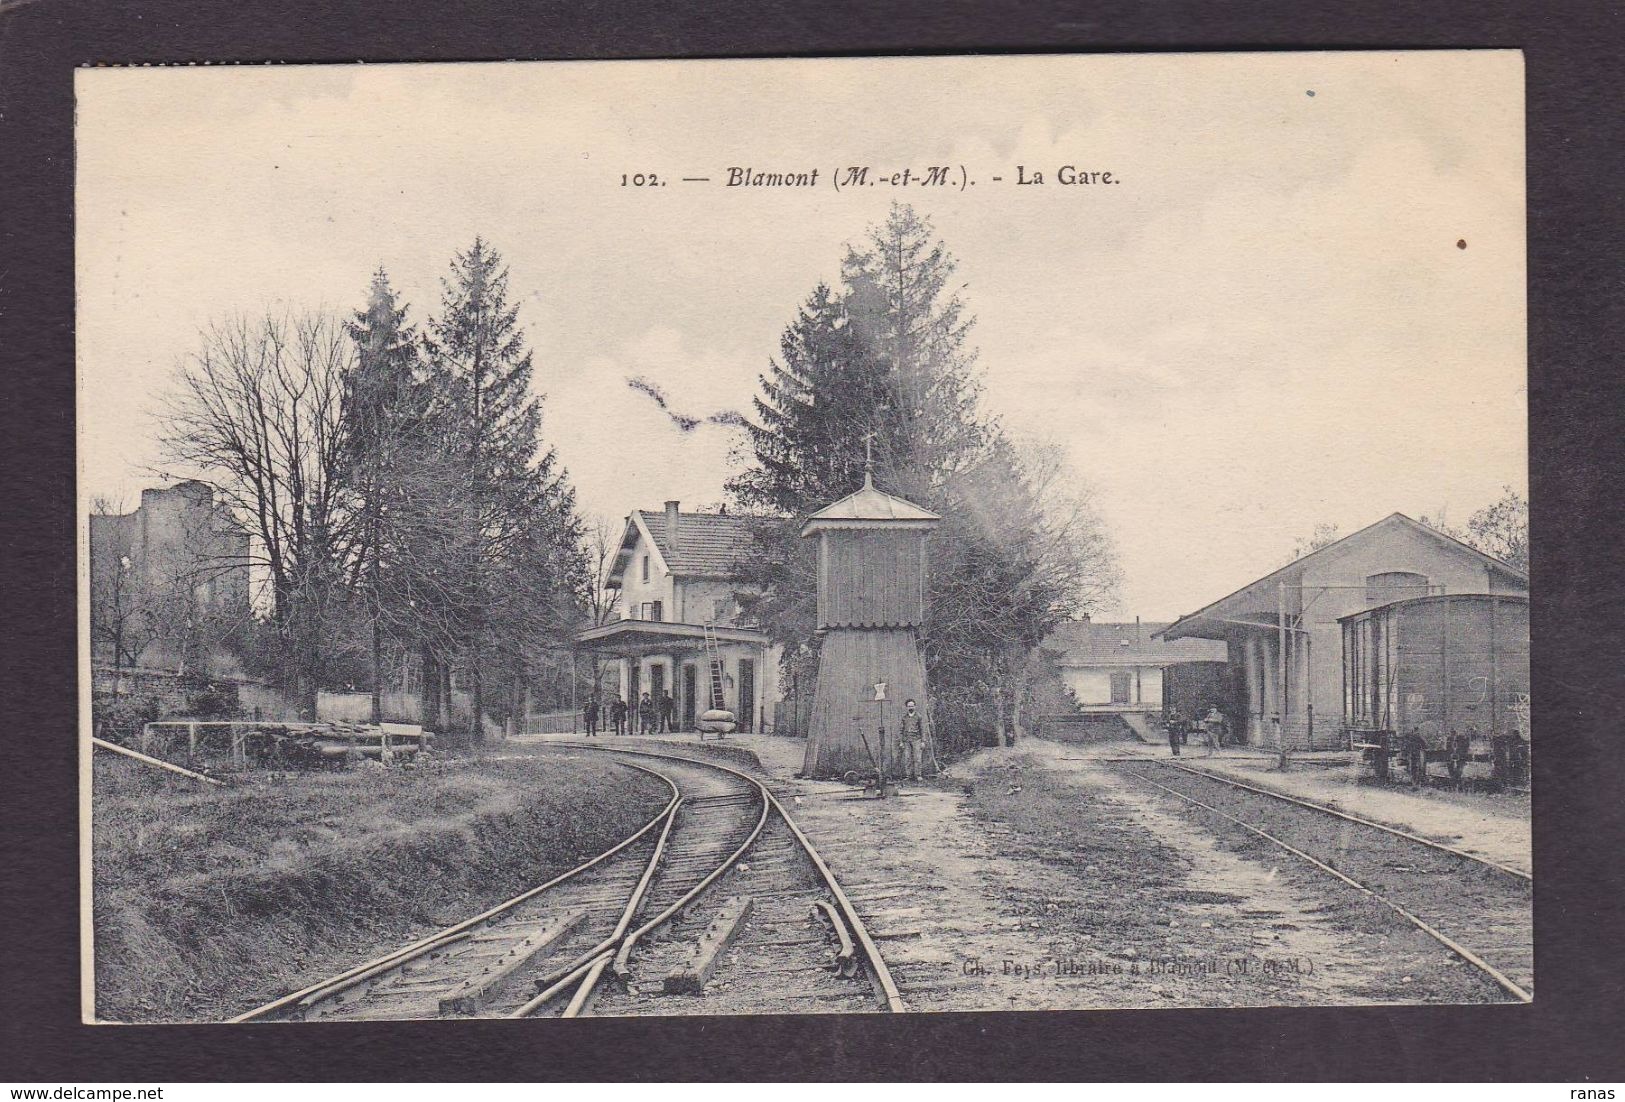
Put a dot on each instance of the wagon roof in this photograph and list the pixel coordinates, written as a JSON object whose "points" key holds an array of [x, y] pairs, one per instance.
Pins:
{"points": [[1511, 598]]}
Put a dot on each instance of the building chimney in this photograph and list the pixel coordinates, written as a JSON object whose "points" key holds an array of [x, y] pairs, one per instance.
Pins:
{"points": [[671, 524]]}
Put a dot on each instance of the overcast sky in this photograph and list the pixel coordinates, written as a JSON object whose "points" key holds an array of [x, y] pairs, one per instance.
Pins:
{"points": [[1266, 325]]}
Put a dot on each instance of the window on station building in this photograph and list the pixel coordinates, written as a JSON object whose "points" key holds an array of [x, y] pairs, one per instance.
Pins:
{"points": [[1395, 585], [653, 612], [646, 568]]}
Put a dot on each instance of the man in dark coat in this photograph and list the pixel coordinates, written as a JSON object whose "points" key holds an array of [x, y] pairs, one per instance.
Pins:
{"points": [[591, 714], [617, 713], [668, 708], [646, 715]]}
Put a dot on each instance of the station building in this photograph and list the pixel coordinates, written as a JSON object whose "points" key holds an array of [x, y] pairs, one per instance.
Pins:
{"points": [[673, 573], [1294, 612], [1125, 671]]}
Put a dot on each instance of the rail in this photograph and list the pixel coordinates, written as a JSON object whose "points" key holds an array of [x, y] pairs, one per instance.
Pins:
{"points": [[1461, 951], [591, 963], [1312, 805], [335, 984], [886, 987], [581, 977]]}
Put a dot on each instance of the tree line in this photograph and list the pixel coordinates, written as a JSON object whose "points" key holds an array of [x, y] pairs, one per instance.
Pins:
{"points": [[400, 502], [402, 506]]}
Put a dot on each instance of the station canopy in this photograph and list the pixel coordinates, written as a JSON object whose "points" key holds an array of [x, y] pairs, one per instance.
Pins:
{"points": [[635, 638]]}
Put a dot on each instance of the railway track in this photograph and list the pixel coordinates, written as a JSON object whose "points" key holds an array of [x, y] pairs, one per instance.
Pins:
{"points": [[1477, 909], [718, 904]]}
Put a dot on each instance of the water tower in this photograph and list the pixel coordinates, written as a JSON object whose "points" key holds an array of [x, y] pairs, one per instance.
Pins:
{"points": [[871, 606]]}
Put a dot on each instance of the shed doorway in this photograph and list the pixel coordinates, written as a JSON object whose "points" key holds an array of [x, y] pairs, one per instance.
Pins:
{"points": [[1122, 687]]}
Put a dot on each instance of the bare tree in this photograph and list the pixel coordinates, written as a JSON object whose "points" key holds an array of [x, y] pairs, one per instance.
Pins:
{"points": [[601, 599], [1501, 530], [600, 547], [1032, 550], [121, 620], [257, 412], [1324, 535], [183, 594], [1075, 551], [1076, 557]]}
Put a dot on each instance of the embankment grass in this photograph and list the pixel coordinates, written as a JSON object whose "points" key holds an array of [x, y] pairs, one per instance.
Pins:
{"points": [[211, 901]]}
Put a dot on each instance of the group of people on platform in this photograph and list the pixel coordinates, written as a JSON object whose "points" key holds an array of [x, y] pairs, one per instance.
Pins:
{"points": [[1211, 729], [649, 718]]}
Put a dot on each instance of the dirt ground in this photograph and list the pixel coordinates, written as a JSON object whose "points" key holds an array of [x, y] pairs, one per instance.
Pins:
{"points": [[1033, 879]]}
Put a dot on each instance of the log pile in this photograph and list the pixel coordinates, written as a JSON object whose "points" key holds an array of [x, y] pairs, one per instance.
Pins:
{"points": [[333, 745]]}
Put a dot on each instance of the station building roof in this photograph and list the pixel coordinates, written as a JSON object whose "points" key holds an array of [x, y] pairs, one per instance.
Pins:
{"points": [[1086, 643]]}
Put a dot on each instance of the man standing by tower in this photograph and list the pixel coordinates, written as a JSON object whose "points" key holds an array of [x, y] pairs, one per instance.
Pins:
{"points": [[913, 741]]}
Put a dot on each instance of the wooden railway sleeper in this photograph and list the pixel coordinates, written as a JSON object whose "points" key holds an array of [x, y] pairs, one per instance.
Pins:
{"points": [[879, 974], [338, 993]]}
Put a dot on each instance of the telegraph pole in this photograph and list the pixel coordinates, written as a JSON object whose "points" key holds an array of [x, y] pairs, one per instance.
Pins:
{"points": [[1281, 670]]}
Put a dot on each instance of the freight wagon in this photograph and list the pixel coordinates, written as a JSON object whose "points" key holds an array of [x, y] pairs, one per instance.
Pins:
{"points": [[1439, 680]]}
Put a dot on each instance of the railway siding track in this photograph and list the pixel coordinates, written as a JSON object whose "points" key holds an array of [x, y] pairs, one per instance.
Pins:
{"points": [[408, 982], [782, 958], [604, 937], [1340, 814], [1477, 909]]}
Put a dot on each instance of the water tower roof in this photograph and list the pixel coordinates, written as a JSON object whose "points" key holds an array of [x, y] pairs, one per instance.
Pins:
{"points": [[870, 508]]}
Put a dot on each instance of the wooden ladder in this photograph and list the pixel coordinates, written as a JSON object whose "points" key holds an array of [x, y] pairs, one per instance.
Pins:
{"points": [[713, 659]]}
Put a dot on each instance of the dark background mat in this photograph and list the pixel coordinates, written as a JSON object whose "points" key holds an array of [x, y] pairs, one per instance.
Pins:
{"points": [[1576, 167]]}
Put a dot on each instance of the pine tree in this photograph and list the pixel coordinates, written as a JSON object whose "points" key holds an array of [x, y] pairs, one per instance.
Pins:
{"points": [[889, 359], [385, 426], [819, 403], [914, 324], [538, 589], [513, 499]]}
